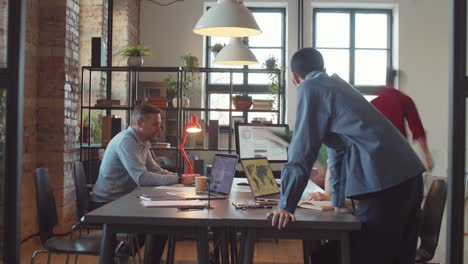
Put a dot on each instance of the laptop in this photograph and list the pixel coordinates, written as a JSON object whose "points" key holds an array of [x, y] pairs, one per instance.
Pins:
{"points": [[261, 179], [221, 178]]}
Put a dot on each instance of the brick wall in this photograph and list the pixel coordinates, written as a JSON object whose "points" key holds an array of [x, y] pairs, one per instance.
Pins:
{"points": [[52, 91], [28, 194]]}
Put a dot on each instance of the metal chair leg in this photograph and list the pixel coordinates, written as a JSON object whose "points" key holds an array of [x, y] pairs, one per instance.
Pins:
{"points": [[35, 253]]}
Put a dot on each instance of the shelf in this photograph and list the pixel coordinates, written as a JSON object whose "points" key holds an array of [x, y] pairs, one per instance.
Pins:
{"points": [[227, 110], [107, 107], [195, 149], [93, 146]]}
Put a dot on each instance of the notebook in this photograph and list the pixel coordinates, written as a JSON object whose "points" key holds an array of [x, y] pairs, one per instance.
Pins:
{"points": [[261, 179], [221, 177]]}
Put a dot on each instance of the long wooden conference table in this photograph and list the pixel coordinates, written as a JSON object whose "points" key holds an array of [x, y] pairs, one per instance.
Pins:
{"points": [[127, 215]]}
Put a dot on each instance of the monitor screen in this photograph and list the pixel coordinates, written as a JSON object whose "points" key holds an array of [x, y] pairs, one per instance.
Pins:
{"points": [[257, 141]]}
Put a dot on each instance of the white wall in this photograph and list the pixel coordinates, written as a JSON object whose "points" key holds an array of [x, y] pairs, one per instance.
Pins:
{"points": [[422, 48]]}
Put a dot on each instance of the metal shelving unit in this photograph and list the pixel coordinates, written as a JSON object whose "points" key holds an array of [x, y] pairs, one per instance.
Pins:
{"points": [[131, 92]]}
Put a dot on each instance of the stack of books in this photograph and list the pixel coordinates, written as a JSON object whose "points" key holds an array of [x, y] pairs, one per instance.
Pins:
{"points": [[160, 145], [262, 104], [261, 120], [107, 102], [160, 102]]}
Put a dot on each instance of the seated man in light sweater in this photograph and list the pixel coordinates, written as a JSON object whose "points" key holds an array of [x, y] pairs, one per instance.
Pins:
{"points": [[128, 163]]}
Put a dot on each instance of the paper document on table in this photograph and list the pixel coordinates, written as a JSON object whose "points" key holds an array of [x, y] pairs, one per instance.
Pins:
{"points": [[316, 205], [177, 188], [174, 204], [311, 188]]}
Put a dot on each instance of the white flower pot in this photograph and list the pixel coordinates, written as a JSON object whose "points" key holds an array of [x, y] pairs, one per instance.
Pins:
{"points": [[135, 61], [185, 102]]}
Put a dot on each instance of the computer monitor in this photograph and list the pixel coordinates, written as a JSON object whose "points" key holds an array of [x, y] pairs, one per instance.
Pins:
{"points": [[254, 141]]}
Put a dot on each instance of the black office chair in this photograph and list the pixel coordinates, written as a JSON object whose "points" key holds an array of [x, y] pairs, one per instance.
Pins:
{"points": [[47, 219], [82, 208], [432, 213], [91, 169]]}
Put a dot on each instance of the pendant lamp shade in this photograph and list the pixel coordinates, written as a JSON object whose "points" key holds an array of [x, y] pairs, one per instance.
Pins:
{"points": [[228, 18], [235, 53]]}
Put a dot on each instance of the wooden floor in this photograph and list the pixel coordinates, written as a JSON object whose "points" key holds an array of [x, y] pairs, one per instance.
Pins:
{"points": [[282, 252]]}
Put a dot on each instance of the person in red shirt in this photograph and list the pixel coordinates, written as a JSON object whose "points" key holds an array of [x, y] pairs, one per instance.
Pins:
{"points": [[398, 107]]}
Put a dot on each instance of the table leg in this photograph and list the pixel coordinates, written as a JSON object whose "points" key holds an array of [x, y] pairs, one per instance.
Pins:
{"points": [[224, 245], [202, 246], [249, 245], [106, 255], [345, 248], [231, 231]]}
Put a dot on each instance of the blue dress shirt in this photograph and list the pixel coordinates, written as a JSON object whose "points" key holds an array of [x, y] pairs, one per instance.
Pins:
{"points": [[127, 163], [366, 153]]}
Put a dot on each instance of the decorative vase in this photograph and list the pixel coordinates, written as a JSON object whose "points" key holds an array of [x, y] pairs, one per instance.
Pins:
{"points": [[135, 61], [185, 102]]}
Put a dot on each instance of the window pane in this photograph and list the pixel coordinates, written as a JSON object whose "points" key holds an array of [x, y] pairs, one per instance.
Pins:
{"points": [[3, 33], [371, 31], [262, 55], [220, 40], [271, 25], [336, 61], [371, 67], [221, 101], [225, 77], [332, 30]]}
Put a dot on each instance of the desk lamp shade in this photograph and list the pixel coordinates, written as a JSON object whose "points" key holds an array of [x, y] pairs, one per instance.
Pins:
{"points": [[228, 18], [235, 53], [190, 127]]}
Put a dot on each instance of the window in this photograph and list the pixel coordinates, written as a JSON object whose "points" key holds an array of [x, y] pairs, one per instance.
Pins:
{"points": [[356, 44], [270, 43]]}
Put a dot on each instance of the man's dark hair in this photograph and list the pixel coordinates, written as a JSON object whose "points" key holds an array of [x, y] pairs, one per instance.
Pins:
{"points": [[306, 60], [391, 75], [141, 111]]}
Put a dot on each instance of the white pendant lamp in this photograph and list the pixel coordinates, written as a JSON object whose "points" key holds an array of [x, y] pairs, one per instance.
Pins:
{"points": [[235, 53], [228, 18]]}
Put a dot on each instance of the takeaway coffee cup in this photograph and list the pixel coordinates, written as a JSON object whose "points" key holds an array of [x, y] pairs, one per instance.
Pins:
{"points": [[201, 182]]}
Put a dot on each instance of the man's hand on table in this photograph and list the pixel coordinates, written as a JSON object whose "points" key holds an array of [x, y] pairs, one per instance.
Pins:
{"points": [[280, 218]]}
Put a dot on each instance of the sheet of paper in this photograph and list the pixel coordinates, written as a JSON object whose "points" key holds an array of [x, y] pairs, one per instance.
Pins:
{"points": [[311, 188], [176, 188], [177, 203], [243, 189]]}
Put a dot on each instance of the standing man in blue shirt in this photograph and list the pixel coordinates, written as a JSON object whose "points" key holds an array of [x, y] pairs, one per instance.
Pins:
{"points": [[368, 158]]}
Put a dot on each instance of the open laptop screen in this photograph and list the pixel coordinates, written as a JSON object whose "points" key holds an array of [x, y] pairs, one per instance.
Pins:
{"points": [[260, 176], [222, 173]]}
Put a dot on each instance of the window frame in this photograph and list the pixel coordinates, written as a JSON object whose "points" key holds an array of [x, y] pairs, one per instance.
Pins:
{"points": [[364, 89], [244, 87]]}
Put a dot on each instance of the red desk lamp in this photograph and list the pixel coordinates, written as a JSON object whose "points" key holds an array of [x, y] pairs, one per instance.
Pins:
{"points": [[190, 127]]}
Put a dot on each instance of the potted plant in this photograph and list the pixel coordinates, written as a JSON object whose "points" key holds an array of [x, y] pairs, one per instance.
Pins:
{"points": [[271, 63], [274, 87], [171, 90], [189, 61], [242, 101], [135, 54], [216, 48]]}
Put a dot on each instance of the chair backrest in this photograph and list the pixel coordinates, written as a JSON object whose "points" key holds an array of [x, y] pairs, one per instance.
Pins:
{"points": [[91, 169], [46, 209], [81, 190], [432, 213]]}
